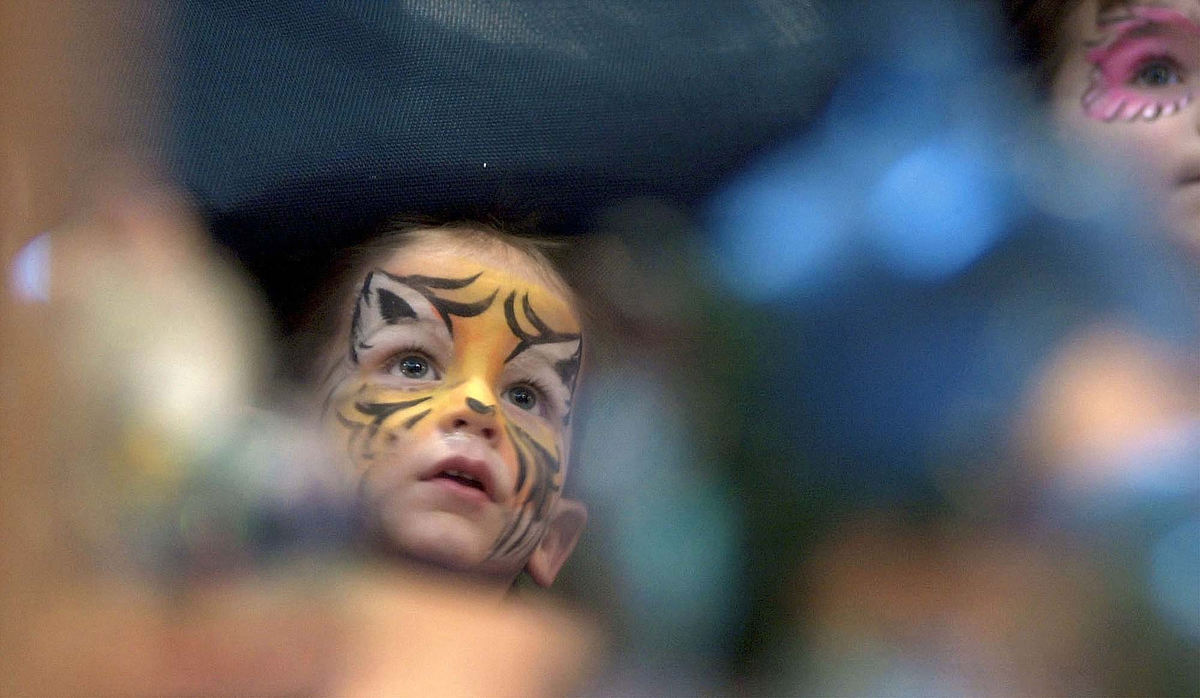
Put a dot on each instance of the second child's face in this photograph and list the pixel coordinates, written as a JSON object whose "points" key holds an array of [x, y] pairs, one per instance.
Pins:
{"points": [[1129, 84], [454, 402]]}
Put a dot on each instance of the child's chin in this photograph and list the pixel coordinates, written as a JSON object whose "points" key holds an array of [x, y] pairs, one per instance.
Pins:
{"points": [[442, 541]]}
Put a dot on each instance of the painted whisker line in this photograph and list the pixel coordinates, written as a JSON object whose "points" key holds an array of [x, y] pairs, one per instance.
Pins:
{"points": [[541, 489], [365, 432], [355, 429], [380, 411], [523, 540], [522, 465], [416, 418]]}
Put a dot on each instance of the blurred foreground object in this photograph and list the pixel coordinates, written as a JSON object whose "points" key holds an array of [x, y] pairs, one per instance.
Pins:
{"points": [[159, 535], [981, 344], [193, 544]]}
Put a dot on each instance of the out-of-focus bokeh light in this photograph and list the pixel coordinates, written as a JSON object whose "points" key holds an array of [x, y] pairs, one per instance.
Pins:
{"points": [[762, 253], [938, 208], [29, 271], [901, 169]]}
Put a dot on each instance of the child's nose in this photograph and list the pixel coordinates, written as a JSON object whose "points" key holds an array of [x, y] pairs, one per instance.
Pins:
{"points": [[472, 413]]}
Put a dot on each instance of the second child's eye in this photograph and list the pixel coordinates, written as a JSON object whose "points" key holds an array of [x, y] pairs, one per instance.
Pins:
{"points": [[1157, 73], [414, 366], [522, 396]]}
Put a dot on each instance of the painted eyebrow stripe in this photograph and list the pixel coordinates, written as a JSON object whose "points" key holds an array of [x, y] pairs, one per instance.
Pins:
{"points": [[544, 335], [533, 317], [364, 295], [393, 308], [449, 307], [435, 281], [424, 285]]}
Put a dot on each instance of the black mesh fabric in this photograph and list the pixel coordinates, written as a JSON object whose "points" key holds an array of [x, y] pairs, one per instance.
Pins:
{"points": [[299, 126]]}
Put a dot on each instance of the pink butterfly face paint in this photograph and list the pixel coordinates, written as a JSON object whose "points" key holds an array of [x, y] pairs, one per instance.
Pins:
{"points": [[1147, 69]]}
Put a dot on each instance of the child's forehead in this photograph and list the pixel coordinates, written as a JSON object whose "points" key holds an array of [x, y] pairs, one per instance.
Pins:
{"points": [[1104, 12], [493, 267], [1091, 22]]}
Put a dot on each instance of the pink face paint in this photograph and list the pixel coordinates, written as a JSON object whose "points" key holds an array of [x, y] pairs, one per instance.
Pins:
{"points": [[1148, 69]]}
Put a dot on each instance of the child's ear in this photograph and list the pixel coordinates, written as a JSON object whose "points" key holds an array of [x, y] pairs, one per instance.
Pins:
{"points": [[567, 519]]}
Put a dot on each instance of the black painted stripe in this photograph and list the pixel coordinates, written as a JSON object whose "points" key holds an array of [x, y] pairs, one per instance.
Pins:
{"points": [[416, 418]]}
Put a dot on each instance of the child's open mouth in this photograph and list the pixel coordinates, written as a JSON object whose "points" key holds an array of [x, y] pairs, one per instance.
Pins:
{"points": [[465, 476], [463, 479]]}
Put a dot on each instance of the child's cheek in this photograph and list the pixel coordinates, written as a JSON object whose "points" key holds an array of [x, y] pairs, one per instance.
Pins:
{"points": [[369, 419], [526, 448], [538, 482]]}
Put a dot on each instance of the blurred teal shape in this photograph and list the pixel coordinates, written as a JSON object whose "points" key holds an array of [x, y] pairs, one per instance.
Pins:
{"points": [[1175, 577], [673, 527]]}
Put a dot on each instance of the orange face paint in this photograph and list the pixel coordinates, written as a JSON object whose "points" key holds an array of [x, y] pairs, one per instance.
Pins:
{"points": [[454, 403]]}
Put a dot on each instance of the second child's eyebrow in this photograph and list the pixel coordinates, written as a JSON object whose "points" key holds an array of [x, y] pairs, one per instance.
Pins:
{"points": [[1149, 19]]}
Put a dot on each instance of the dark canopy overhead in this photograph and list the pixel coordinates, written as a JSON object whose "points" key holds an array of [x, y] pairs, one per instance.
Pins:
{"points": [[298, 126]]}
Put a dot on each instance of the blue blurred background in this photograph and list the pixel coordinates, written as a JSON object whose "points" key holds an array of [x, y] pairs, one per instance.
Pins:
{"points": [[894, 393]]}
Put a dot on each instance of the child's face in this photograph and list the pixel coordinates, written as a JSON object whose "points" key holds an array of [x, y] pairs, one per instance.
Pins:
{"points": [[454, 404], [1129, 84]]}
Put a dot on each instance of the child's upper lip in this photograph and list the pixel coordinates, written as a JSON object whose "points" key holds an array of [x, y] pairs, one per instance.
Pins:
{"points": [[474, 468]]}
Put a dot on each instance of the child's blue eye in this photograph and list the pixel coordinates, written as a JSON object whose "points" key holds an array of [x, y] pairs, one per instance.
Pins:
{"points": [[522, 396], [413, 366], [1159, 73]]}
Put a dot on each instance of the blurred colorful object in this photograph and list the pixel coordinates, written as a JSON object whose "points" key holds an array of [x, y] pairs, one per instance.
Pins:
{"points": [[163, 465]]}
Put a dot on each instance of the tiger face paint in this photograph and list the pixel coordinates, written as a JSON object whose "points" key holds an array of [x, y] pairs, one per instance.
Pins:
{"points": [[453, 401], [1127, 90]]}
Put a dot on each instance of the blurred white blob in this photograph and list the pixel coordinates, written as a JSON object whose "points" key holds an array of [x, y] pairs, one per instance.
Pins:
{"points": [[165, 465], [29, 271]]}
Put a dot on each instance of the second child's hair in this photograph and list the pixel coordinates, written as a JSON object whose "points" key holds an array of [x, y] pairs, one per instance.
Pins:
{"points": [[1038, 26]]}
